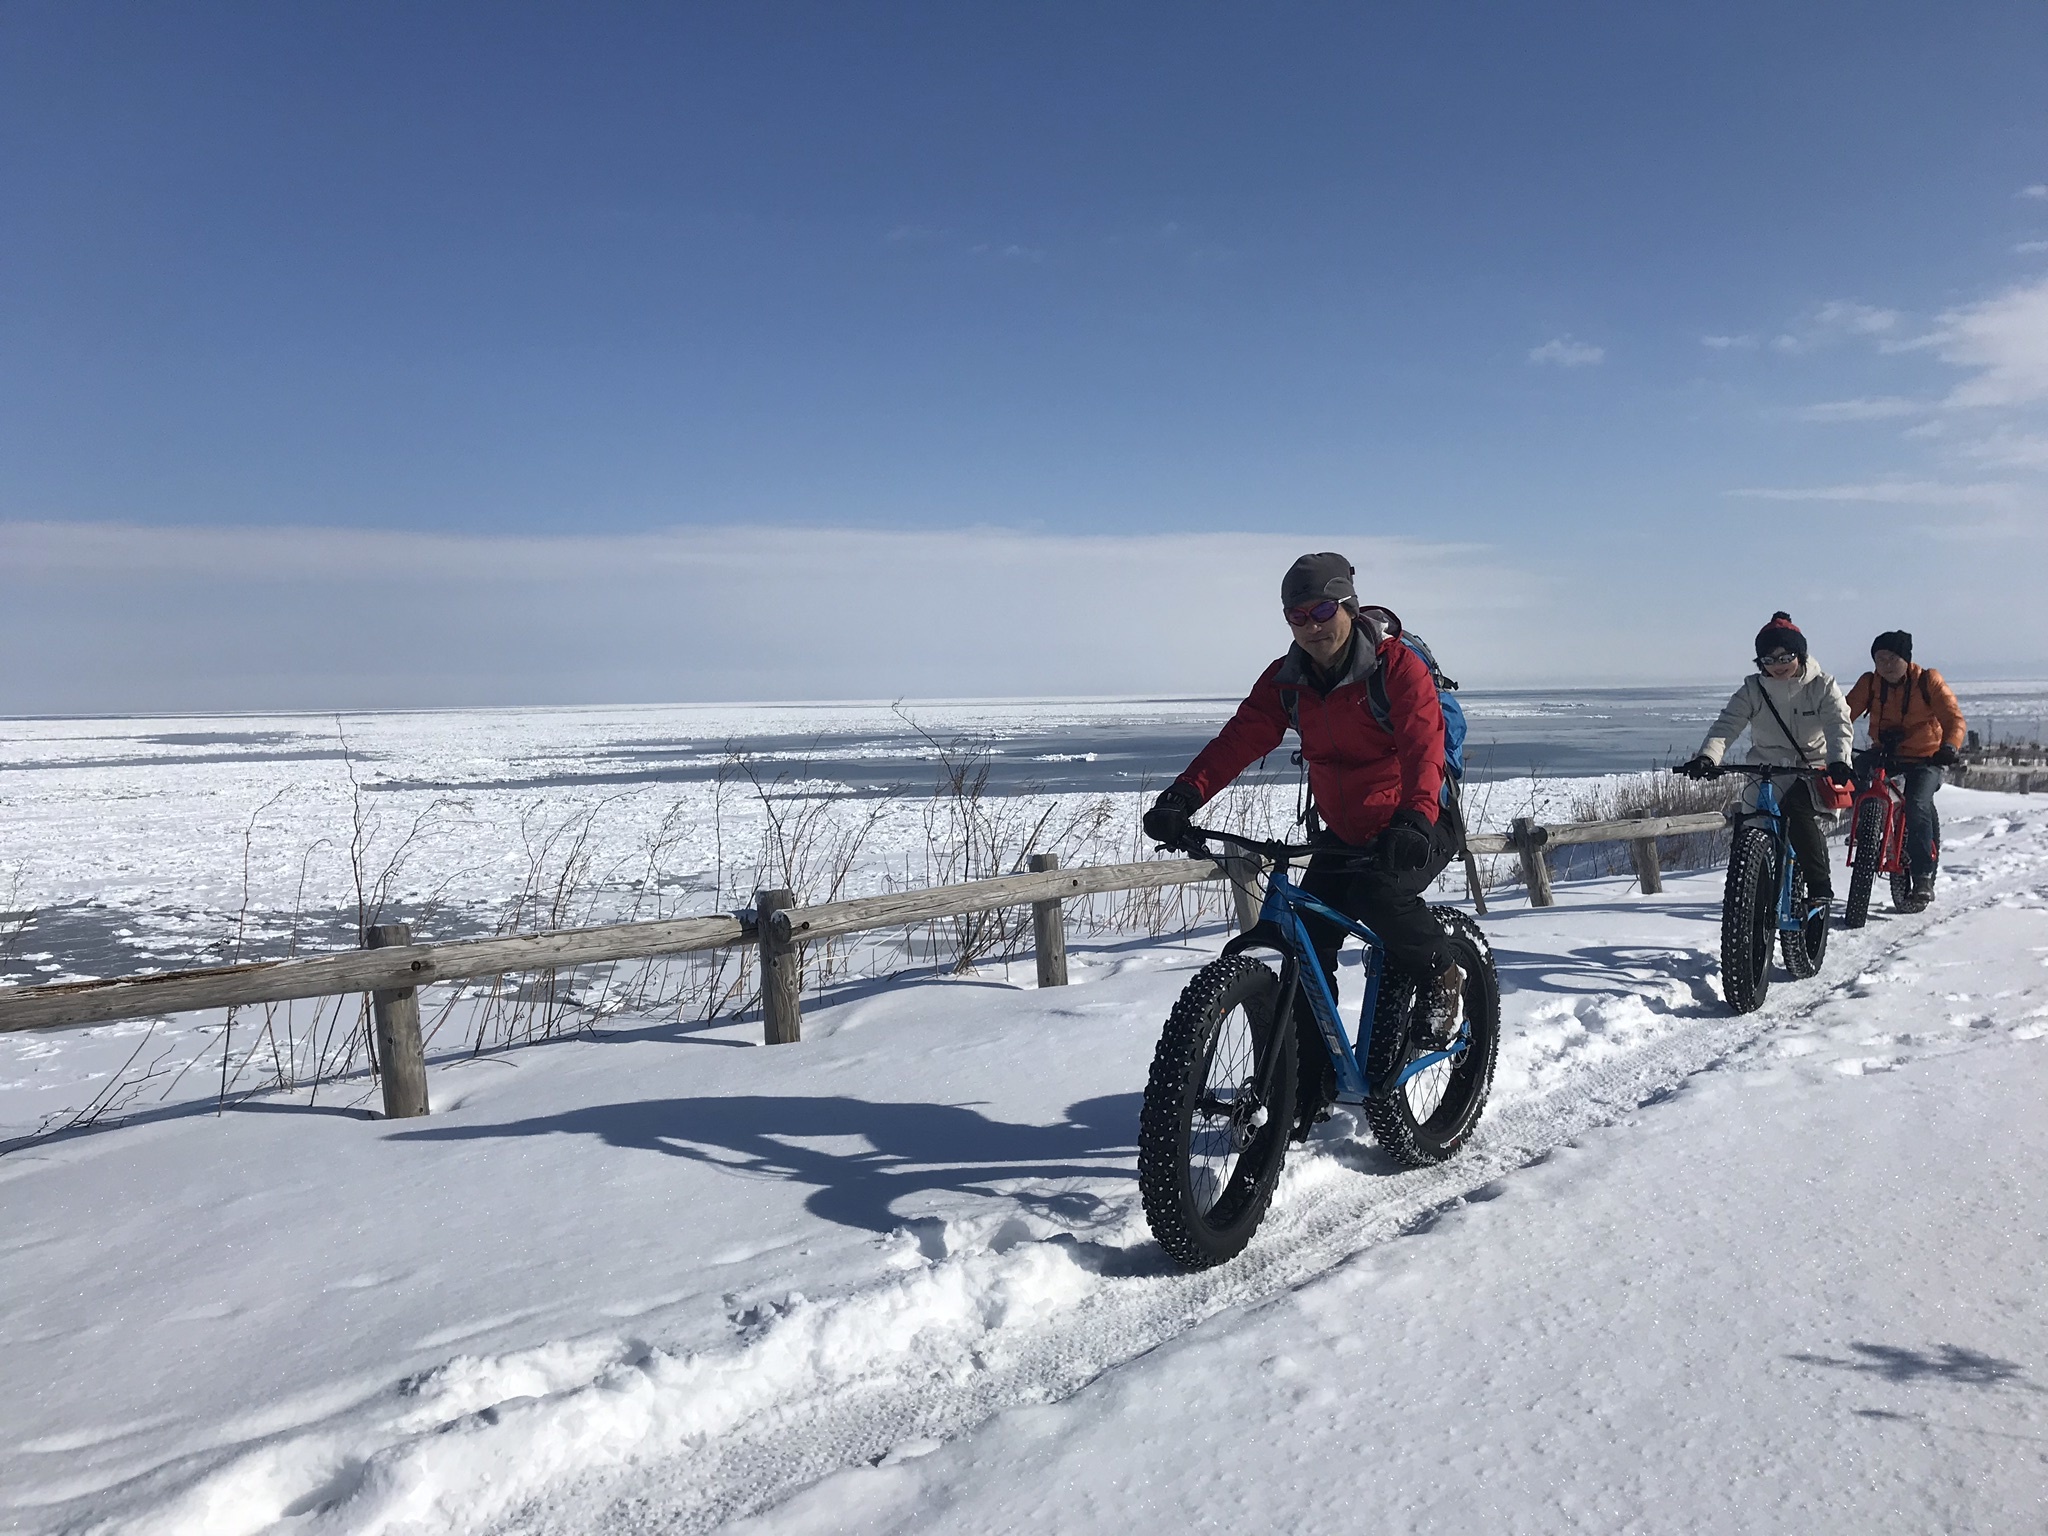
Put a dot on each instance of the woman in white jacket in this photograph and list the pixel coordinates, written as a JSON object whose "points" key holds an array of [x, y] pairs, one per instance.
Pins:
{"points": [[1797, 719]]}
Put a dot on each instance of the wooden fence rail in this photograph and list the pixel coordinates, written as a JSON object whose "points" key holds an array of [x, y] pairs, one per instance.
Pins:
{"points": [[393, 968]]}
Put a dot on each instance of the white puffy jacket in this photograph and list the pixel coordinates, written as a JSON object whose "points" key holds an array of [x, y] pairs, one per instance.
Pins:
{"points": [[1813, 707]]}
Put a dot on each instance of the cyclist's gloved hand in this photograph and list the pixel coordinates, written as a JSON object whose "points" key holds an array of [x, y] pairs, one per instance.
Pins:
{"points": [[1407, 843], [1841, 773], [1167, 821], [1700, 767], [1944, 756]]}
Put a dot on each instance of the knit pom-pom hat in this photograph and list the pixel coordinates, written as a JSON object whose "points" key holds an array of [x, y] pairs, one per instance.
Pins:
{"points": [[1781, 634]]}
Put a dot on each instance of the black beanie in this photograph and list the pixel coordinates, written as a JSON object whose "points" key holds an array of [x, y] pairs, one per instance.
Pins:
{"points": [[1781, 634], [1897, 641]]}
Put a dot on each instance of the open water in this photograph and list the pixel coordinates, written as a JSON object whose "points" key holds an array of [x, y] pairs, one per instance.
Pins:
{"points": [[141, 843]]}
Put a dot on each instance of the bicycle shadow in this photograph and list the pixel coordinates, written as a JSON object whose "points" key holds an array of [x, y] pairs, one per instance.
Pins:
{"points": [[1593, 969], [910, 1149]]}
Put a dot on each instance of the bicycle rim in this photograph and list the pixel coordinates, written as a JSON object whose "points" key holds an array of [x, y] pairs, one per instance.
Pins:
{"points": [[1218, 1133]]}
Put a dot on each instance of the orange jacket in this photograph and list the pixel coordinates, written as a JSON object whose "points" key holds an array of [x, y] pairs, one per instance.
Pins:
{"points": [[1922, 709]]}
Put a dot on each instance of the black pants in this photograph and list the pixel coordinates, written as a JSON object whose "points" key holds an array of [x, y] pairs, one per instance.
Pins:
{"points": [[1923, 822], [1809, 843], [1388, 903]]}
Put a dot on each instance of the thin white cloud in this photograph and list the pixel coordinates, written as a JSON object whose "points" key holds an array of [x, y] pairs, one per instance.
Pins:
{"points": [[1567, 353], [1909, 493], [2030, 247], [2009, 449], [200, 618], [2004, 340], [1868, 408], [2038, 192], [1729, 343], [1856, 319], [1836, 321]]}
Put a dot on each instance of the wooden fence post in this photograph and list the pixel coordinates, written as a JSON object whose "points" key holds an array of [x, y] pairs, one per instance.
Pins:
{"points": [[1245, 869], [1049, 928], [1528, 838], [401, 1054], [782, 972], [1472, 886], [1649, 873]]}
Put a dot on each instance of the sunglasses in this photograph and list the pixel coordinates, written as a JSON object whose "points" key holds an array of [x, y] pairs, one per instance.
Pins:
{"points": [[1319, 613], [1779, 660]]}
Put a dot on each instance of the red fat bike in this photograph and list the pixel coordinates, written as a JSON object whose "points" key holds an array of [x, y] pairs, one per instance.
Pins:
{"points": [[1877, 833]]}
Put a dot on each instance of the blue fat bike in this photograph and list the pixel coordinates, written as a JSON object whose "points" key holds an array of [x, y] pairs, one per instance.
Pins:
{"points": [[1252, 1057], [1764, 905]]}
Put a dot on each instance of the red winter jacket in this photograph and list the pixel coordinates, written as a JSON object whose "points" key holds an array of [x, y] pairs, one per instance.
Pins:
{"points": [[1360, 772]]}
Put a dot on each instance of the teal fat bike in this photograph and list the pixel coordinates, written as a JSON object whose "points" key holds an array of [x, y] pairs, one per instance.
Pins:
{"points": [[1764, 905], [1230, 1086]]}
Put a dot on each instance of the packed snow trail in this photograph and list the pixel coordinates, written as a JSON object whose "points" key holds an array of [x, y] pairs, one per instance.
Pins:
{"points": [[1033, 1278], [1777, 1302]]}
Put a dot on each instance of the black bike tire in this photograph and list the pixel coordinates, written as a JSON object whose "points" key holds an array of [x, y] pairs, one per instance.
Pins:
{"points": [[1804, 950], [1420, 1143], [1191, 1236], [1869, 838], [1902, 892], [1749, 919]]}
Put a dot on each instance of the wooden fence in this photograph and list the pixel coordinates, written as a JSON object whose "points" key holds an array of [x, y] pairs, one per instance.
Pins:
{"points": [[391, 968]]}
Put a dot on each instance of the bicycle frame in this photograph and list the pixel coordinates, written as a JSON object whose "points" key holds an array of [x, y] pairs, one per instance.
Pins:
{"points": [[1767, 808], [1891, 859], [1281, 912]]}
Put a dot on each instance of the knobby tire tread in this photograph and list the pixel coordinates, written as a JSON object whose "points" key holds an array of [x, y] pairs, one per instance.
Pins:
{"points": [[1419, 1144], [1869, 835], [1803, 951], [1749, 904], [1191, 1237]]}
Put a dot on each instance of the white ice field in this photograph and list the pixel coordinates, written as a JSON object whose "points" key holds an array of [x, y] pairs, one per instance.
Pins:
{"points": [[1696, 1273]]}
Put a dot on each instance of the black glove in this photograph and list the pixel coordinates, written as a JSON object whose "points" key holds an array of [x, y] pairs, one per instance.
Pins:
{"points": [[1944, 756], [1841, 773], [1407, 843], [1167, 821], [1700, 767]]}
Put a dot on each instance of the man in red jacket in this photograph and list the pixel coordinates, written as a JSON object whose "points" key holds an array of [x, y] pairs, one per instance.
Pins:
{"points": [[1379, 790]]}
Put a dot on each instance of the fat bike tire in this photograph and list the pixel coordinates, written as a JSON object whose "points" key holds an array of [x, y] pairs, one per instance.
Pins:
{"points": [[1868, 835], [1902, 892], [1803, 951], [1205, 1172], [1749, 919], [1428, 1118]]}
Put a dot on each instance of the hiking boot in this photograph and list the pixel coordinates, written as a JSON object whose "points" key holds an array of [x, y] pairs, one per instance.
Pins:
{"points": [[1923, 887], [1445, 1009]]}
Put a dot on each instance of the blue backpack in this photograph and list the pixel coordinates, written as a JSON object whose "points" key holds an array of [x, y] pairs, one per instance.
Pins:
{"points": [[1383, 711], [1446, 696]]}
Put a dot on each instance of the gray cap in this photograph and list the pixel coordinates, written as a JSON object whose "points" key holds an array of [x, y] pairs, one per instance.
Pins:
{"points": [[1315, 577]]}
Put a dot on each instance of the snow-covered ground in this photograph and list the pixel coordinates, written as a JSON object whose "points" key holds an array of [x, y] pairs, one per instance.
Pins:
{"points": [[1695, 1273]]}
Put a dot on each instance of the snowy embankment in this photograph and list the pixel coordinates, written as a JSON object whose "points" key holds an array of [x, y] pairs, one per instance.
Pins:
{"points": [[1696, 1272]]}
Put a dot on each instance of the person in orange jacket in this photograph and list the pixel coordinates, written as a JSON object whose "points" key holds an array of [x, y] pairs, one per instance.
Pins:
{"points": [[1914, 716]]}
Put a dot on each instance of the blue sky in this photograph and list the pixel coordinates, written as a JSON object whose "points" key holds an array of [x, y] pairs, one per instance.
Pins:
{"points": [[1606, 296]]}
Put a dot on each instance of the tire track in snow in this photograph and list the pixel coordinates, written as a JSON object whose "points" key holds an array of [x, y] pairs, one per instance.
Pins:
{"points": [[1327, 1216]]}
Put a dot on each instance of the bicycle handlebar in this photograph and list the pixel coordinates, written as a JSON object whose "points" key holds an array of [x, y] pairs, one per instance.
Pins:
{"points": [[1765, 770], [1265, 849], [1276, 853], [1761, 770]]}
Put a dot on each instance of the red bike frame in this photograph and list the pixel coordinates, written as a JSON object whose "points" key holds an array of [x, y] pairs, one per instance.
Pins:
{"points": [[1892, 860]]}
